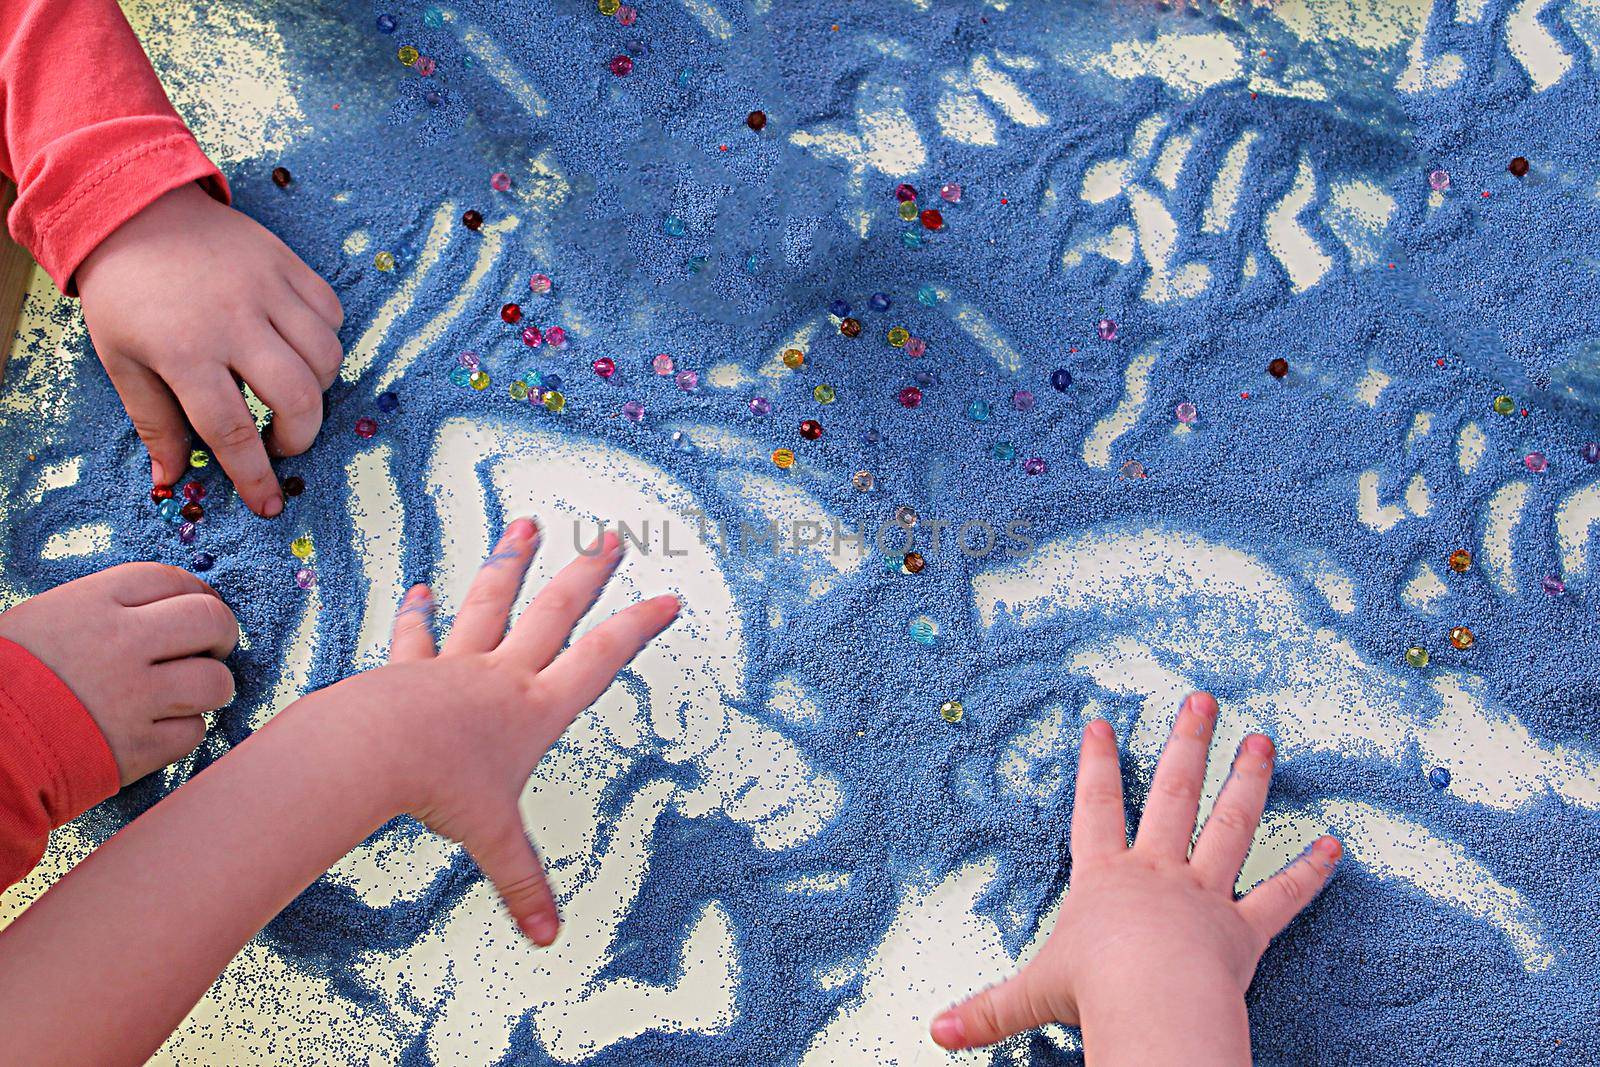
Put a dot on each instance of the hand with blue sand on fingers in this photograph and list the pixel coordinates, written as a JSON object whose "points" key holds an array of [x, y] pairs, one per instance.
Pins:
{"points": [[1152, 953]]}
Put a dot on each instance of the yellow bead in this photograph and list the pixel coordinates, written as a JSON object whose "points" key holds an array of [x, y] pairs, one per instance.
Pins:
{"points": [[609, 7], [199, 458], [951, 711], [823, 393], [554, 402], [1417, 656], [519, 390], [1460, 561], [384, 261], [408, 55], [793, 358], [300, 547], [908, 209], [479, 380], [783, 458], [1462, 638], [899, 336], [1504, 405]]}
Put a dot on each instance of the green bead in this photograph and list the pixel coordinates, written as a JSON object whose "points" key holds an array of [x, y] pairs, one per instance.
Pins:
{"points": [[1417, 656], [823, 394], [1504, 405], [951, 711], [519, 390]]}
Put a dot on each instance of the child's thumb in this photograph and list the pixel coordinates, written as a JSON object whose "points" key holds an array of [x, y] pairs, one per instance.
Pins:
{"points": [[508, 860], [1015, 1005]]}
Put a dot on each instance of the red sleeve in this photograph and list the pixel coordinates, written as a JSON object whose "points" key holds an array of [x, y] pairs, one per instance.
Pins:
{"points": [[86, 130], [54, 763]]}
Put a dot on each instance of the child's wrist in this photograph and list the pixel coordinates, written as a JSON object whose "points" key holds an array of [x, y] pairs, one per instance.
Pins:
{"points": [[337, 726], [1179, 1016]]}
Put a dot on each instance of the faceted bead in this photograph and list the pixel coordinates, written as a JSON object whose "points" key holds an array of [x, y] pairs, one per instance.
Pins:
{"points": [[1439, 778], [899, 336], [627, 15], [1185, 412], [633, 411], [760, 405], [950, 192], [910, 396], [187, 532], [978, 411], [1462, 638], [863, 480], [384, 261], [518, 390], [386, 23], [301, 547], [1518, 166], [924, 377], [782, 458], [927, 296], [432, 96], [823, 394], [839, 309], [281, 177], [907, 209], [904, 192], [467, 359], [1460, 561], [472, 220], [479, 380], [916, 347], [1005, 451], [158, 493], [540, 283], [924, 631], [305, 578], [432, 18], [914, 563], [556, 337], [407, 55], [906, 517], [931, 218], [168, 510], [194, 491], [1278, 368], [1504, 405], [911, 239], [1536, 462], [1035, 465], [681, 441], [756, 120], [609, 7], [673, 226], [366, 427], [203, 561], [687, 380], [550, 381], [1552, 585], [500, 181], [1106, 329], [461, 376], [662, 364], [793, 358], [871, 436], [294, 485], [1590, 452], [1439, 180], [554, 401], [605, 366], [192, 512], [532, 337], [850, 328], [878, 301], [511, 313], [1417, 656], [951, 711], [811, 429], [1060, 378], [1132, 469], [1022, 400], [621, 66]]}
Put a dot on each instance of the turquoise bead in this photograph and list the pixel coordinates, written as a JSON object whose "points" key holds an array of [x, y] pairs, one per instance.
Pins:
{"points": [[924, 631], [978, 411], [1005, 451]]}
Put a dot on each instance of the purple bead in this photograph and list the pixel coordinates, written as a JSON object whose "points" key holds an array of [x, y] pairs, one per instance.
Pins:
{"points": [[468, 359], [839, 309], [1060, 378], [1107, 329], [186, 533], [878, 301], [305, 577], [203, 561], [1439, 180], [1022, 400], [1034, 465], [633, 411], [760, 405], [1590, 452], [687, 380], [1553, 585]]}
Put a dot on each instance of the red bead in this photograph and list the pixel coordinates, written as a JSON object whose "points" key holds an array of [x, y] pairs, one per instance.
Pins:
{"points": [[932, 219], [1518, 166], [1278, 368], [472, 220], [366, 427], [605, 366], [756, 120], [280, 177], [192, 511], [910, 396], [512, 313], [811, 429], [194, 491], [904, 192], [621, 66], [158, 493], [294, 485], [532, 337], [850, 328]]}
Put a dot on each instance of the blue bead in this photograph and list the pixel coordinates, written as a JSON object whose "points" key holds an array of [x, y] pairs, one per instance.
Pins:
{"points": [[168, 510], [911, 239], [386, 24], [978, 411], [551, 381], [839, 308], [925, 377], [1439, 778], [461, 376], [879, 301], [672, 226], [923, 630], [872, 437], [697, 263], [388, 402], [927, 296], [432, 18], [1005, 451], [1061, 378], [681, 441], [433, 98], [752, 264], [203, 561]]}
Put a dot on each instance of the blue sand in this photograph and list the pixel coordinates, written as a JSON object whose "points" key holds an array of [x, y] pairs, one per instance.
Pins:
{"points": [[1501, 288]]}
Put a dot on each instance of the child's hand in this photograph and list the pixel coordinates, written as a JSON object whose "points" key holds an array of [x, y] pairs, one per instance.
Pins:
{"points": [[1151, 942], [140, 647], [185, 300], [465, 727]]}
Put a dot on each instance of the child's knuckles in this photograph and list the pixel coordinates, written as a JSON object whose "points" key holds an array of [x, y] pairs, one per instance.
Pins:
{"points": [[1233, 820], [1100, 793]]}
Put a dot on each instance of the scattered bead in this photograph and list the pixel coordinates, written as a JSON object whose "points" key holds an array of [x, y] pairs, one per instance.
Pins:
{"points": [[907, 210], [388, 403], [681, 441], [916, 347], [1278, 368], [633, 411], [879, 302], [687, 380], [924, 631], [199, 459], [408, 55], [194, 491], [301, 547], [810, 429], [911, 239], [479, 380], [673, 226], [550, 381], [518, 390], [605, 366], [898, 336], [386, 23], [924, 377], [540, 283], [1060, 378], [158, 493], [432, 18], [192, 511], [1504, 405], [756, 120], [1552, 585], [978, 411], [793, 358], [609, 7], [384, 261], [1460, 561], [621, 66], [1106, 329], [472, 220], [910, 396], [511, 313], [838, 309], [950, 192], [168, 510], [532, 337], [782, 458], [1462, 638], [863, 480], [281, 177], [760, 405], [500, 181], [951, 711], [906, 517], [556, 337], [1417, 656], [1590, 452], [554, 401], [1518, 166], [1005, 451], [662, 364], [1036, 465], [366, 427], [187, 532], [871, 436], [424, 66], [850, 327], [203, 561], [1439, 180], [627, 15], [1022, 400], [931, 219], [1185, 412], [823, 394], [927, 296], [305, 578], [1439, 778], [1132, 469], [461, 376], [1536, 462], [294, 485], [914, 563], [904, 192], [468, 359]]}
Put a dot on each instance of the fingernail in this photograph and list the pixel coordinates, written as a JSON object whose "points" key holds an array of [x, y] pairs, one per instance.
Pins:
{"points": [[273, 509], [542, 928], [949, 1031], [158, 473], [1203, 703], [1329, 848], [519, 530], [1099, 728], [611, 544], [1259, 746]]}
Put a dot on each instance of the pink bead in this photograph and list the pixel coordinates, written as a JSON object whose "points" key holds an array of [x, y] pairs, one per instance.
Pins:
{"points": [[621, 66], [1107, 329], [910, 396], [904, 192], [423, 66], [633, 411], [1439, 180], [951, 192], [500, 181], [916, 347], [556, 337], [662, 364], [366, 427], [688, 380], [627, 15], [1185, 412], [194, 491], [605, 366], [532, 337], [539, 283], [1535, 462]]}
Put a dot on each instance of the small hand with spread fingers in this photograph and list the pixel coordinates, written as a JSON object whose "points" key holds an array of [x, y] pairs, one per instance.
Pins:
{"points": [[1152, 953]]}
